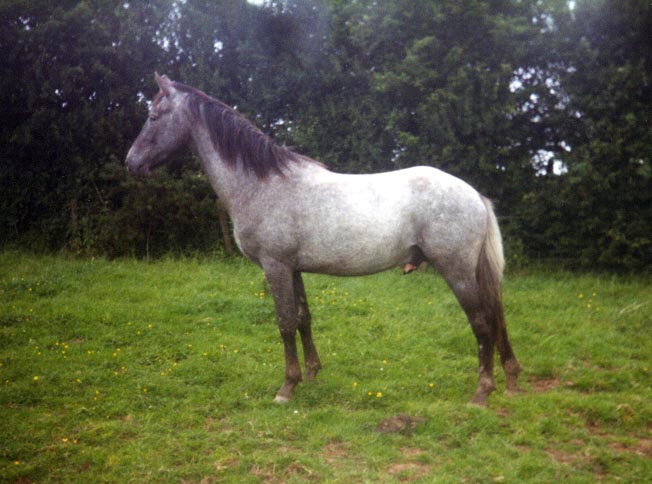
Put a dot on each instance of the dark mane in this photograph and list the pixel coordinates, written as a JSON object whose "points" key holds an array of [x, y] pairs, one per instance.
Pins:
{"points": [[236, 138]]}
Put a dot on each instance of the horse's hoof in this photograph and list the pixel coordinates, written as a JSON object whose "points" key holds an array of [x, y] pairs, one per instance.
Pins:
{"points": [[281, 399]]}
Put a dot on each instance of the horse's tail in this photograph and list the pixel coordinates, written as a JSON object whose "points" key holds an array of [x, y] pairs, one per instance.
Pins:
{"points": [[489, 275]]}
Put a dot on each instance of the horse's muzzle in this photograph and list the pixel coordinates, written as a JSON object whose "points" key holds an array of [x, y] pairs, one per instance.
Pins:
{"points": [[135, 167]]}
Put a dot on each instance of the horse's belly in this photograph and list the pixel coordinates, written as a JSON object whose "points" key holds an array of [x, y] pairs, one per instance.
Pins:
{"points": [[354, 253], [348, 266]]}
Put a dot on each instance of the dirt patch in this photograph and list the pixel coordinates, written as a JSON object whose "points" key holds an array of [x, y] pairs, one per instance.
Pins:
{"points": [[502, 412], [641, 447], [408, 471], [205, 480], [401, 423], [296, 469], [594, 428], [637, 445], [562, 457], [273, 475], [411, 452], [226, 464], [335, 451], [265, 475], [541, 385], [411, 468]]}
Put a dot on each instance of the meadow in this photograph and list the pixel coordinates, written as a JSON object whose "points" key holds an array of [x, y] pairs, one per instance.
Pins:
{"points": [[126, 371]]}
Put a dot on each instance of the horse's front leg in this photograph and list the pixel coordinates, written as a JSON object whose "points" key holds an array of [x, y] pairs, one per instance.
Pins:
{"points": [[281, 284], [311, 357]]}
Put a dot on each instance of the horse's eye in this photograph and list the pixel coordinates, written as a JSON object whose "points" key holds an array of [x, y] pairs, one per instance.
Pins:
{"points": [[153, 117]]}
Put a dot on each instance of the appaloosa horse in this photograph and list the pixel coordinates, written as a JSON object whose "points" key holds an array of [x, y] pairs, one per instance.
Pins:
{"points": [[292, 215]]}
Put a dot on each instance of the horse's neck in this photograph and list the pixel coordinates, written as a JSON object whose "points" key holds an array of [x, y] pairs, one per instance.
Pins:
{"points": [[225, 180], [234, 186]]}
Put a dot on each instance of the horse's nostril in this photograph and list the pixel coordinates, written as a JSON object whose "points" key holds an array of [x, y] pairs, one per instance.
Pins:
{"points": [[134, 168], [138, 171]]}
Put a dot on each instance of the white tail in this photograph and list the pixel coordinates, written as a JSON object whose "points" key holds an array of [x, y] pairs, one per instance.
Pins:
{"points": [[494, 242], [489, 274]]}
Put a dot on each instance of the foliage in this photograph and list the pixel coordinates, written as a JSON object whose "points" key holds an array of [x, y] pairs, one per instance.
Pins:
{"points": [[607, 192], [122, 371], [542, 105]]}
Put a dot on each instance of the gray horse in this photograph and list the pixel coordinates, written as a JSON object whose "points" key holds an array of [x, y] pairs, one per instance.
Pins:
{"points": [[292, 215]]}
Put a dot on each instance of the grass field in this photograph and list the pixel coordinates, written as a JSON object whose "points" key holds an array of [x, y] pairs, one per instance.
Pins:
{"points": [[122, 371]]}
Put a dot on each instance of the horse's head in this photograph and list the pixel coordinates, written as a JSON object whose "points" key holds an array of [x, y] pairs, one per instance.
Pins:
{"points": [[165, 133]]}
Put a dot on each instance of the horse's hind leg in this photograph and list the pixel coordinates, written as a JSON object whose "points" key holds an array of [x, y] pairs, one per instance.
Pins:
{"points": [[509, 361], [281, 282], [467, 292], [313, 364], [488, 325], [485, 338]]}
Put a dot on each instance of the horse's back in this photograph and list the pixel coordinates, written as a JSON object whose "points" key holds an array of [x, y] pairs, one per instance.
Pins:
{"points": [[360, 224]]}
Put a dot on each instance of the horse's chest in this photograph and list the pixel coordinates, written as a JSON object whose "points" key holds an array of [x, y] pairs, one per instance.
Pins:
{"points": [[263, 238]]}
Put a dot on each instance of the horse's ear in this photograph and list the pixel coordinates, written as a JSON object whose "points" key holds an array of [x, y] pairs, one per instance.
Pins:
{"points": [[164, 83]]}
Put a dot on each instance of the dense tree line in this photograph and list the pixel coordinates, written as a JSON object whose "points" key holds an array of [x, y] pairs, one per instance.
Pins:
{"points": [[543, 105]]}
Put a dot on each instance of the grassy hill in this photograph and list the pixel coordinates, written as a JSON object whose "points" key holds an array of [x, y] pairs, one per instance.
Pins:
{"points": [[122, 371]]}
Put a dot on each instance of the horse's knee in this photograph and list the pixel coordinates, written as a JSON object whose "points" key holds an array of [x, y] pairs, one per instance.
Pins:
{"points": [[305, 319], [288, 326], [512, 367], [287, 331]]}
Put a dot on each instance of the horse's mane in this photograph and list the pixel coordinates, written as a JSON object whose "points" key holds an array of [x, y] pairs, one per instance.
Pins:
{"points": [[235, 137]]}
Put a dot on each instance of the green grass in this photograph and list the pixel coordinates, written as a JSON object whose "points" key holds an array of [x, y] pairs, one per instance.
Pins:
{"points": [[122, 371]]}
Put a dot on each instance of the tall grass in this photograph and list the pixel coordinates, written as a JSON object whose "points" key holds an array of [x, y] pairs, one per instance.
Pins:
{"points": [[122, 371]]}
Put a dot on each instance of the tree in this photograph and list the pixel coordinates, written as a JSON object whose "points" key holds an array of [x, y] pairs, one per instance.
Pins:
{"points": [[542, 105], [69, 77], [598, 213]]}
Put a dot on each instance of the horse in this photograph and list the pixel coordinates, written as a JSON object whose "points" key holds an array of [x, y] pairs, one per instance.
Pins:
{"points": [[292, 215]]}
